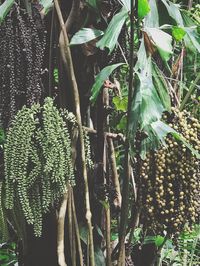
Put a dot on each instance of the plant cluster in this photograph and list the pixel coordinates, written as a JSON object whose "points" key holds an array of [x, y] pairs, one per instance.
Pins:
{"points": [[169, 188], [22, 43], [38, 163]]}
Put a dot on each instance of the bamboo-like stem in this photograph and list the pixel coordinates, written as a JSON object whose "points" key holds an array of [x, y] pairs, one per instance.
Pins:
{"points": [[73, 235], [108, 234], [70, 225], [190, 92], [77, 232], [127, 166], [70, 71], [50, 53], [190, 3], [61, 231], [115, 177]]}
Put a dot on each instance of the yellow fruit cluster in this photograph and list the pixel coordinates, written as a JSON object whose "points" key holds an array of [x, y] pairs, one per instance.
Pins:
{"points": [[169, 179]]}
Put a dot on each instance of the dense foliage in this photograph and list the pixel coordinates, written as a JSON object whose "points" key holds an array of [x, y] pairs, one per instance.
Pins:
{"points": [[122, 169]]}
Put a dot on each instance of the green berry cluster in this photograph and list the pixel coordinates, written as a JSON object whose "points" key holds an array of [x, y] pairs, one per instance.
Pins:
{"points": [[88, 155], [3, 224], [37, 159]]}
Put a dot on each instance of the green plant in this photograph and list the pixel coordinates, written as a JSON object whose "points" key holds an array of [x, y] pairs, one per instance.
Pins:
{"points": [[8, 255], [185, 252]]}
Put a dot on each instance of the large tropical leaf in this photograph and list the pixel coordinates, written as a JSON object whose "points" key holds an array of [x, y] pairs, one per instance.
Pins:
{"points": [[100, 78], [109, 40], [146, 105], [152, 18], [162, 87], [163, 42], [174, 11], [99, 257], [161, 130], [192, 38], [85, 35], [126, 4]]}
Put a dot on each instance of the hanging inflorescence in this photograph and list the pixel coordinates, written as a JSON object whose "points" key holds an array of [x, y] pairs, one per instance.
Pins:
{"points": [[21, 55], [3, 223], [38, 162], [169, 182]]}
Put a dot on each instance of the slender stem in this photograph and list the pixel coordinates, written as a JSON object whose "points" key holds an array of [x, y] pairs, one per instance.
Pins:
{"points": [[190, 3], [74, 257], [50, 53], [127, 167], [108, 233], [70, 225], [68, 63], [61, 231], [115, 177], [190, 92], [77, 232]]}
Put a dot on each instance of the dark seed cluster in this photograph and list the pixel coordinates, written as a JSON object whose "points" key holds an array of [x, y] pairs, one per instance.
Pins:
{"points": [[21, 55], [170, 179]]}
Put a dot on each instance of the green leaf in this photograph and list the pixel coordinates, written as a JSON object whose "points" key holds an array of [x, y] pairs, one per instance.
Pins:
{"points": [[151, 107], [126, 4], [83, 230], [152, 18], [100, 233], [85, 35], [121, 103], [149, 240], [178, 33], [143, 8], [161, 129], [162, 87], [109, 40], [159, 240], [122, 123], [163, 42], [146, 106], [99, 257], [92, 3], [55, 75], [5, 8], [114, 236], [47, 5], [192, 38], [100, 78], [174, 11]]}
